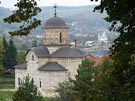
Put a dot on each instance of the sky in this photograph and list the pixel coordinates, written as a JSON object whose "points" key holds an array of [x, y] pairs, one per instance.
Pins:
{"points": [[10, 3]]}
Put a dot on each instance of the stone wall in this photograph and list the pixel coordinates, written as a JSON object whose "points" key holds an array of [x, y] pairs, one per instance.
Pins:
{"points": [[53, 36], [19, 74], [47, 82], [71, 64], [53, 48]]}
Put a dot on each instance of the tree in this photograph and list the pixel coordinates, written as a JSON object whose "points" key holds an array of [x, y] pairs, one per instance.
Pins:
{"points": [[27, 91], [66, 92], [103, 88], [5, 53], [26, 10], [121, 15], [1, 53], [13, 53], [84, 80], [21, 57], [9, 54]]}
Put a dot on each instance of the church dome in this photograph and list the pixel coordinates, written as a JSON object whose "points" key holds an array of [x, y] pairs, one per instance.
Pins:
{"points": [[55, 22]]}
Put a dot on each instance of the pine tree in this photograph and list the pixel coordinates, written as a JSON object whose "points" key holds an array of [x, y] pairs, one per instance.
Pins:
{"points": [[27, 91], [1, 53], [5, 53], [9, 54], [13, 54], [84, 82]]}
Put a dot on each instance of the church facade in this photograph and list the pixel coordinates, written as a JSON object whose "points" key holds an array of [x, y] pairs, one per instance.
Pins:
{"points": [[52, 63]]}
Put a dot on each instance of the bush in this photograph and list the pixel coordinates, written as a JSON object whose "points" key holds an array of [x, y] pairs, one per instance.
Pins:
{"points": [[66, 92]]}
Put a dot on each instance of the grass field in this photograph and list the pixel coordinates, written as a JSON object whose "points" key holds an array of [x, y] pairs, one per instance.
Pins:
{"points": [[7, 83], [6, 79], [7, 86], [6, 95]]}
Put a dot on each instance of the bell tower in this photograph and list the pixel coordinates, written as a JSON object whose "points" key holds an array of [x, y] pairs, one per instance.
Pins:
{"points": [[56, 30]]}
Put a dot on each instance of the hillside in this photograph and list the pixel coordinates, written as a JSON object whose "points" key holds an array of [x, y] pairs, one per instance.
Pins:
{"points": [[79, 19]]}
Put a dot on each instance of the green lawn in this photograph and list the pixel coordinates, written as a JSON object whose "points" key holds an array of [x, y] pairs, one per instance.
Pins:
{"points": [[6, 79], [7, 83], [7, 86], [9, 94], [6, 95]]}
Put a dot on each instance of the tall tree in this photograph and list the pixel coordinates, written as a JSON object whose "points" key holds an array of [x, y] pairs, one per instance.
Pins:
{"points": [[1, 53], [13, 53], [27, 91], [84, 80], [5, 53], [9, 54], [121, 14], [24, 14]]}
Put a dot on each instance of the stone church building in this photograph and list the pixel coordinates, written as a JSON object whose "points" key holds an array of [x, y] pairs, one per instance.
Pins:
{"points": [[52, 63]]}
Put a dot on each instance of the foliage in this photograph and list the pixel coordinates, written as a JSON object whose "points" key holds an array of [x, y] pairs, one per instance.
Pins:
{"points": [[103, 88], [13, 52], [83, 85], [65, 92], [27, 91], [5, 53], [24, 14], [20, 57], [1, 53], [9, 54], [122, 19]]}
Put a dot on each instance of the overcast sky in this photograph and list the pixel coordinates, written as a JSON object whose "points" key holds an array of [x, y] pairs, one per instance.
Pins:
{"points": [[10, 3]]}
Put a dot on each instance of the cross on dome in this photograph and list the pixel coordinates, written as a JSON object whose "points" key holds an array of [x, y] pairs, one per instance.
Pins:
{"points": [[55, 7]]}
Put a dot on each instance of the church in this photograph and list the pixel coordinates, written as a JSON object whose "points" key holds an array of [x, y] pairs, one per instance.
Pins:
{"points": [[53, 62]]}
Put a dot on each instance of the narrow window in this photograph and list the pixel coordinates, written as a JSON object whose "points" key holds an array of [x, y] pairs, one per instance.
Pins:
{"points": [[32, 57], [40, 84], [19, 81], [60, 37]]}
